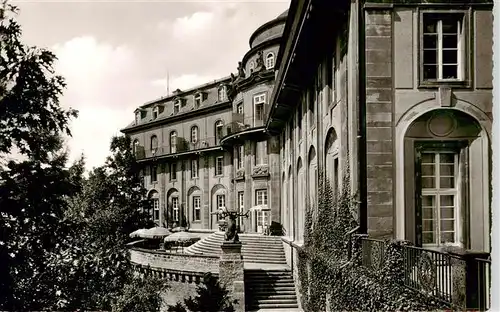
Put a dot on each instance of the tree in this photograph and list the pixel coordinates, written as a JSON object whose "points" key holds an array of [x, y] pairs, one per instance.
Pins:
{"points": [[211, 297], [110, 207], [34, 191]]}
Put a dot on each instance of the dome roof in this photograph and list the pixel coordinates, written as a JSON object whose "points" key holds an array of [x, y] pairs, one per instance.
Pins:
{"points": [[284, 14]]}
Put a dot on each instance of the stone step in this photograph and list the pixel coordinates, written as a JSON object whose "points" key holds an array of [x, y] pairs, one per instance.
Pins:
{"points": [[260, 273], [270, 289], [262, 296], [270, 282], [273, 306], [285, 293]]}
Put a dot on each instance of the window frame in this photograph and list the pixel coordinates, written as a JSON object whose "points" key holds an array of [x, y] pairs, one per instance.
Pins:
{"points": [[240, 152], [156, 209], [239, 108], [219, 130], [194, 169], [194, 138], [173, 171], [175, 209], [198, 99], [221, 93], [270, 59], [153, 170], [263, 196], [156, 112], [196, 209], [466, 81], [452, 146], [261, 103], [217, 171], [155, 138], [177, 106], [173, 142]]}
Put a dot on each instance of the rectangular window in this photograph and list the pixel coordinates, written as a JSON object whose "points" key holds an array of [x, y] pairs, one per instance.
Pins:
{"points": [[241, 201], [156, 209], [194, 168], [197, 100], [196, 208], [173, 171], [443, 47], [239, 108], [222, 95], [439, 202], [221, 203], [175, 208], [177, 106], [156, 112], [258, 102], [219, 165], [261, 153], [261, 197], [154, 173], [240, 156]]}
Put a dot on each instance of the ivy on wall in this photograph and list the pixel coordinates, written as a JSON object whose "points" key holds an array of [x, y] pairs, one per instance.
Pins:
{"points": [[330, 279]]}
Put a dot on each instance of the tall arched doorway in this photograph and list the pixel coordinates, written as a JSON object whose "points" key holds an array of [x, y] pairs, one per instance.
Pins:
{"points": [[446, 161]]}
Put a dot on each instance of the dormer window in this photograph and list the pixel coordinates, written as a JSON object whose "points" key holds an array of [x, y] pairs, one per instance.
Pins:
{"points": [[222, 94], [198, 98], [177, 106], [137, 117], [270, 61], [156, 112]]}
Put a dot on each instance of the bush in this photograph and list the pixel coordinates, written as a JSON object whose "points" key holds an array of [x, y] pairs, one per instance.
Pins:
{"points": [[328, 276]]}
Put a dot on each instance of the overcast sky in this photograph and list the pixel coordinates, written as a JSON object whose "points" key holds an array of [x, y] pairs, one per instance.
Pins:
{"points": [[115, 54]]}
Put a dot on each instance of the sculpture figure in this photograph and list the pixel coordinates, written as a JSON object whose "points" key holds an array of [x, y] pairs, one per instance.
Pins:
{"points": [[241, 71], [231, 234], [259, 61]]}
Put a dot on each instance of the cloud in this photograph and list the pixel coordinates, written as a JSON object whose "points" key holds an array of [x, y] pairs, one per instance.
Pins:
{"points": [[194, 25], [97, 85]]}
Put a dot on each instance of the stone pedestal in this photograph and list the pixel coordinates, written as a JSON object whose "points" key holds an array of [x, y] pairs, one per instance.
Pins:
{"points": [[231, 273]]}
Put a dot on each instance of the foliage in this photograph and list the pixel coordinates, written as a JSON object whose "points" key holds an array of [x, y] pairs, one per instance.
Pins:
{"points": [[140, 295], [30, 115], [96, 264], [35, 187], [211, 297], [329, 277]]}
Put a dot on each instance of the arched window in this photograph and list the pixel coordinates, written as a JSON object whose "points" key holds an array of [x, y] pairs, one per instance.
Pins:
{"points": [[173, 142], [154, 142], [194, 134], [218, 131], [222, 96], [270, 60]]}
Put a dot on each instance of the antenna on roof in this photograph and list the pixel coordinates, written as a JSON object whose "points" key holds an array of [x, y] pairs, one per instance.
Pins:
{"points": [[168, 86]]}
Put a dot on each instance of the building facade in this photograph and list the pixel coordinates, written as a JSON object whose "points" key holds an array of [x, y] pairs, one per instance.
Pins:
{"points": [[206, 148], [394, 101]]}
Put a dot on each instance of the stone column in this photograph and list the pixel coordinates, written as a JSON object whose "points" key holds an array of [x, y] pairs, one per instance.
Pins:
{"points": [[231, 273]]}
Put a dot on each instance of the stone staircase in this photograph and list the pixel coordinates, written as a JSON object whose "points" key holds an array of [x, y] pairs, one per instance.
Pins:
{"points": [[270, 290], [255, 248]]}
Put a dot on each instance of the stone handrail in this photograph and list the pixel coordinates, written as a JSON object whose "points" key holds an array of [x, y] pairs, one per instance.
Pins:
{"points": [[171, 261]]}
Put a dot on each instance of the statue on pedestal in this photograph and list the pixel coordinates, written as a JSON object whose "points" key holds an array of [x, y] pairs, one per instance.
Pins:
{"points": [[231, 234]]}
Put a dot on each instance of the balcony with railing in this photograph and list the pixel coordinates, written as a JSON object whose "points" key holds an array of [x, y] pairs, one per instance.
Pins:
{"points": [[458, 278], [243, 128], [180, 148]]}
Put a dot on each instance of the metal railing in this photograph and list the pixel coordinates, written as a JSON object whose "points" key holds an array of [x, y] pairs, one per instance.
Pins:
{"points": [[241, 123], [459, 279], [182, 145]]}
